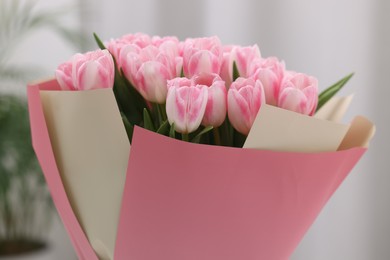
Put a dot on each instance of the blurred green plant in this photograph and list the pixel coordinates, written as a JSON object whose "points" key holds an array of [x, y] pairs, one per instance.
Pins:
{"points": [[25, 203]]}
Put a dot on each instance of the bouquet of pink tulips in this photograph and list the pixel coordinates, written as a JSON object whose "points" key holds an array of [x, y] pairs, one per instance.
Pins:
{"points": [[167, 199], [186, 89]]}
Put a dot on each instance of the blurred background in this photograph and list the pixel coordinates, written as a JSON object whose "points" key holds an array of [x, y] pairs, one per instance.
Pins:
{"points": [[327, 39]]}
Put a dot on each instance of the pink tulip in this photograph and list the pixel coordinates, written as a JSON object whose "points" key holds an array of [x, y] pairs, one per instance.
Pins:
{"points": [[244, 58], [186, 106], [202, 55], [170, 47], [215, 112], [158, 41], [270, 72], [203, 62], [245, 97], [299, 93], [212, 44], [64, 76], [140, 40], [179, 82], [152, 79], [226, 72], [91, 70], [148, 69]]}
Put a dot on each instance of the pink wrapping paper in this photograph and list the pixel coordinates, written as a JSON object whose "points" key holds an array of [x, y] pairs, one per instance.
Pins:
{"points": [[43, 149], [190, 201]]}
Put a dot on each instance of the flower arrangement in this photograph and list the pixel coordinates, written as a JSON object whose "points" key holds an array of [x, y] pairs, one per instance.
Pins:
{"points": [[197, 90], [125, 192]]}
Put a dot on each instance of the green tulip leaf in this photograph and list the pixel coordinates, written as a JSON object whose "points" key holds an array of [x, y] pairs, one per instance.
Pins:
{"points": [[99, 42], [164, 128], [148, 123], [236, 73], [129, 127], [328, 93], [172, 132], [205, 130]]}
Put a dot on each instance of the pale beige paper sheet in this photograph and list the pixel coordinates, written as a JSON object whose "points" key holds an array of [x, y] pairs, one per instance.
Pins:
{"points": [[359, 134], [92, 151], [282, 130], [335, 109], [361, 130]]}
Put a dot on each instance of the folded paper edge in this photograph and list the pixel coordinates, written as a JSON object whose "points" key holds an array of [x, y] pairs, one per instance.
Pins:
{"points": [[335, 109], [360, 133], [43, 149]]}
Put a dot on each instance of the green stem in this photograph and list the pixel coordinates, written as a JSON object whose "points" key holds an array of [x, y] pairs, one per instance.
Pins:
{"points": [[238, 139], [217, 137], [158, 114], [185, 137], [163, 111], [227, 130]]}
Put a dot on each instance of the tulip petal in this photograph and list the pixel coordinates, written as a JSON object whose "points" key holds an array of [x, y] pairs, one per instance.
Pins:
{"points": [[245, 56], [175, 108], [215, 112], [270, 84], [87, 71], [179, 82], [152, 81], [312, 96], [299, 93], [226, 72], [196, 106], [293, 99], [64, 76], [185, 107], [245, 97], [238, 111], [203, 62], [88, 76]]}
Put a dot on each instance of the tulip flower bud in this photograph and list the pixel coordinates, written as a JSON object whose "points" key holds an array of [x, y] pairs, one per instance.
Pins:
{"points": [[244, 57], [245, 97], [186, 106], [299, 93], [91, 70], [215, 112], [150, 68], [203, 62], [202, 55], [140, 40], [227, 65], [270, 72]]}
